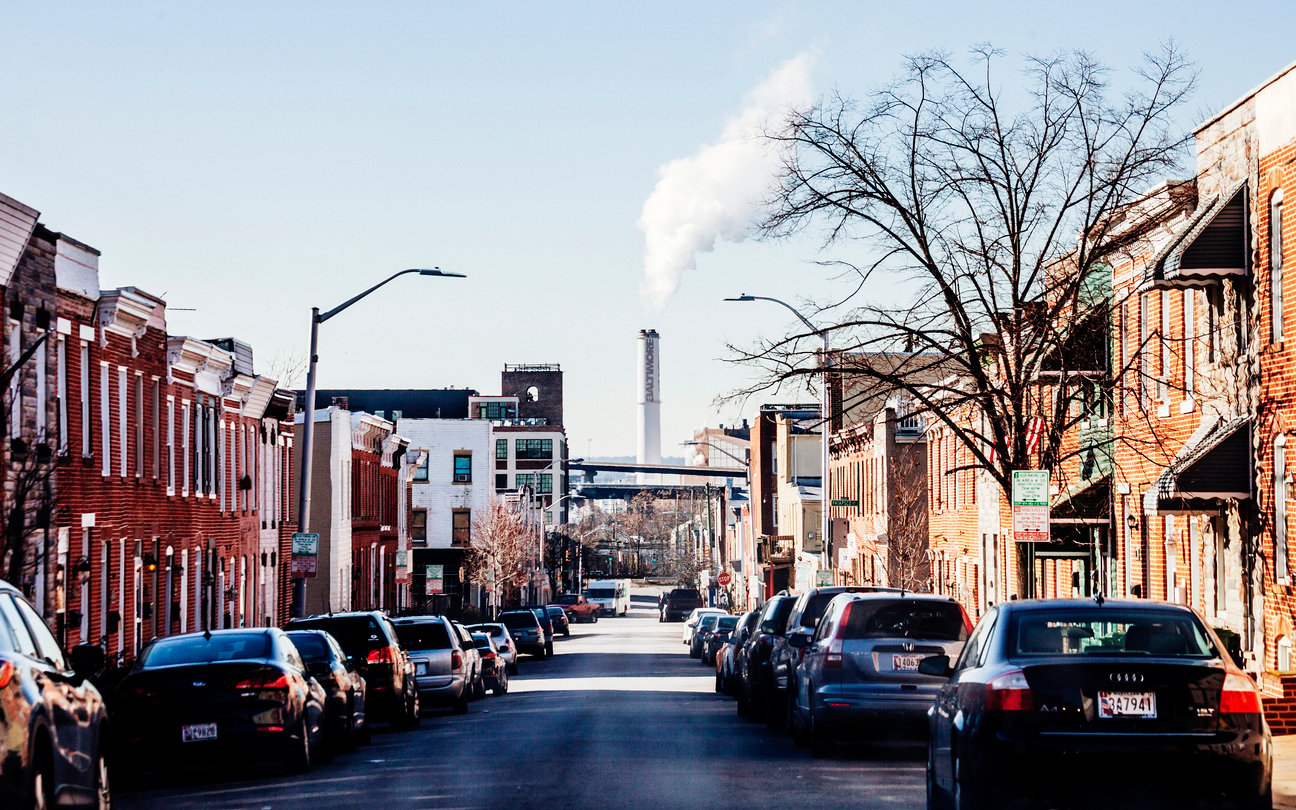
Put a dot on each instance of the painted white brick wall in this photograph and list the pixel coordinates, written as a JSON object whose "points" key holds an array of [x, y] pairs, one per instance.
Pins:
{"points": [[340, 510], [441, 438]]}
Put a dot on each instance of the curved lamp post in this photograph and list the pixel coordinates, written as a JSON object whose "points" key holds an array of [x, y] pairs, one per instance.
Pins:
{"points": [[824, 414], [308, 424]]}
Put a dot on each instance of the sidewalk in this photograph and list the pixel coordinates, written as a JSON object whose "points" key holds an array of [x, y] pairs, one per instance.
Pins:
{"points": [[1284, 777]]}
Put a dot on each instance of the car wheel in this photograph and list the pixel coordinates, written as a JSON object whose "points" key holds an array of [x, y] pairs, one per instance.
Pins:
{"points": [[549, 648], [42, 784], [348, 739], [966, 796], [511, 668], [741, 700], [821, 743], [501, 684], [364, 735], [595, 619], [796, 724], [776, 716], [1264, 801], [103, 786], [567, 633], [461, 705], [935, 801], [298, 759]]}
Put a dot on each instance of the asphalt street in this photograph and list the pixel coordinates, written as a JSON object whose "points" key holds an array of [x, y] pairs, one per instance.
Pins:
{"points": [[619, 717]]}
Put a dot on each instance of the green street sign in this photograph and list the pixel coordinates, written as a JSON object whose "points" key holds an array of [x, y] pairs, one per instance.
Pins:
{"points": [[844, 502]]}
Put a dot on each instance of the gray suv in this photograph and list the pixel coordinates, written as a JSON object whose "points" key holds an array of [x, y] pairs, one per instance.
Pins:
{"points": [[444, 662], [859, 671]]}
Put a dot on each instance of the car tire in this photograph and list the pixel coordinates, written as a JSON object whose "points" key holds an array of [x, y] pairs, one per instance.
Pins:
{"points": [[501, 684], [595, 619], [741, 700], [364, 736], [512, 668], [935, 801], [41, 784], [297, 759], [967, 796], [103, 784], [1263, 801], [549, 648], [822, 744], [776, 714], [567, 633]]}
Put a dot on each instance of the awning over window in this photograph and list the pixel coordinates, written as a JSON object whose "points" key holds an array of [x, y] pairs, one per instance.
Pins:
{"points": [[1213, 244], [1214, 465], [1086, 502]]}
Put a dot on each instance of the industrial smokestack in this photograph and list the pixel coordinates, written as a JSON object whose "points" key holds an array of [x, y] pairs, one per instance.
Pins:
{"points": [[649, 397]]}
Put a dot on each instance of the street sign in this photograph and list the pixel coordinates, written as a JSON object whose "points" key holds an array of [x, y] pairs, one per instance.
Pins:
{"points": [[724, 578], [305, 554], [402, 568], [1030, 506], [434, 581], [844, 502], [823, 577]]}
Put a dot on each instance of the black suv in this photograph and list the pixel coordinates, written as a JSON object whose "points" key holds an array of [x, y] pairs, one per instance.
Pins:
{"points": [[679, 603], [801, 622], [369, 641], [755, 681]]}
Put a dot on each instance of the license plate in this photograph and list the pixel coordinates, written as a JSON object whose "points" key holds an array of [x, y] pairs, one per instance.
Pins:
{"points": [[906, 663], [420, 669], [198, 731], [1127, 704]]}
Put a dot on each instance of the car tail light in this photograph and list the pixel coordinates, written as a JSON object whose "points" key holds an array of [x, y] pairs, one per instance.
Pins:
{"points": [[1009, 693], [456, 659], [487, 654], [833, 659], [264, 680], [382, 655], [141, 691], [6, 673], [1239, 695]]}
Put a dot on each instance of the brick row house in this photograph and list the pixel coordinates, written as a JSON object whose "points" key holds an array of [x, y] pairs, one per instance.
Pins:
{"points": [[153, 467]]}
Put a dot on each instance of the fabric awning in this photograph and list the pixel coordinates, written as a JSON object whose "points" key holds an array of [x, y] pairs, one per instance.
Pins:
{"points": [[1214, 465], [1213, 244]]}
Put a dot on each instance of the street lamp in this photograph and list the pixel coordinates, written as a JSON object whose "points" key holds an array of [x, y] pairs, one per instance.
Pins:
{"points": [[308, 424], [824, 415]]}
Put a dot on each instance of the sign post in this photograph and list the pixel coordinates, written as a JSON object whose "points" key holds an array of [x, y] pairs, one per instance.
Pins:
{"points": [[305, 554]]}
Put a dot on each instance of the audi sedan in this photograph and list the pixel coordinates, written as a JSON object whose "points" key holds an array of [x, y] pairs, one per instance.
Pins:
{"points": [[1141, 698]]}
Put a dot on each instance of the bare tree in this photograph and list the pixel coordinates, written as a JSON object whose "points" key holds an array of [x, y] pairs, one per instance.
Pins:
{"points": [[28, 515], [990, 217], [288, 369], [499, 550], [907, 540]]}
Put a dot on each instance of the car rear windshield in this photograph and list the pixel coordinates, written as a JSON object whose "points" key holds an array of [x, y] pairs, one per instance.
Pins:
{"points": [[569, 599], [518, 621], [312, 646], [601, 593], [488, 629], [685, 594], [1100, 631], [727, 623], [423, 636], [780, 612], [907, 618], [557, 611], [170, 652], [481, 641], [353, 633]]}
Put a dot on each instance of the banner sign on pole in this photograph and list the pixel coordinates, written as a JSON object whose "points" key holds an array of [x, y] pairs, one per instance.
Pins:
{"points": [[402, 568], [305, 554], [435, 579], [1030, 506]]}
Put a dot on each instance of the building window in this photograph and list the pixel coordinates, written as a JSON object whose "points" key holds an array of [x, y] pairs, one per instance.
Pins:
{"points": [[62, 383], [496, 410], [122, 413], [421, 471], [1163, 384], [463, 468], [1276, 263], [418, 526], [139, 426], [523, 480], [460, 526], [501, 449], [1190, 342], [184, 449], [86, 449], [546, 483], [1284, 654], [105, 423], [501, 480], [157, 430], [534, 448], [1281, 569], [170, 446]]}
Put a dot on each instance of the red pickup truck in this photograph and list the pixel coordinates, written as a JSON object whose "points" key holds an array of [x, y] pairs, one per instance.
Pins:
{"points": [[577, 609]]}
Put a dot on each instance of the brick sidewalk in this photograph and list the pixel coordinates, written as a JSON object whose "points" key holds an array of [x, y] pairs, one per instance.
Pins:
{"points": [[1284, 778]]}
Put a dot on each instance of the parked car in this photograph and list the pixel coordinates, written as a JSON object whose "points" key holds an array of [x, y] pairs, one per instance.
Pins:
{"points": [[546, 623], [677, 603], [526, 630], [559, 618], [727, 660], [344, 689], [691, 623], [217, 695], [1143, 693], [369, 641], [785, 656], [494, 670], [442, 668], [472, 660], [716, 636], [53, 725], [579, 609], [705, 622], [756, 680], [504, 643], [858, 674]]}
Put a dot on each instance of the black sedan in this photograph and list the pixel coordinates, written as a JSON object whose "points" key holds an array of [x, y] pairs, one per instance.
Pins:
{"points": [[344, 709], [53, 726], [228, 694], [1085, 700]]}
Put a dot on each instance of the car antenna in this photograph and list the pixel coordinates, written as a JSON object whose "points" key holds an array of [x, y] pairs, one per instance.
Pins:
{"points": [[207, 634]]}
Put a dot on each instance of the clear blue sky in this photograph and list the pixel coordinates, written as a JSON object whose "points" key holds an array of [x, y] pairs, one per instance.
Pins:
{"points": [[250, 160]]}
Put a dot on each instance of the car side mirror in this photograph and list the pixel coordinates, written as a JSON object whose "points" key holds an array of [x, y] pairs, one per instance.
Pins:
{"points": [[798, 641], [769, 628], [87, 660], [938, 665]]}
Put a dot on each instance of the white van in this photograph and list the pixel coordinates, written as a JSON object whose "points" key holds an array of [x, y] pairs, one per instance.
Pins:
{"points": [[611, 595]]}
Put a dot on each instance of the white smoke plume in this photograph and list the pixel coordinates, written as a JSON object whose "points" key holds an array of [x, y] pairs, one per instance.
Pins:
{"points": [[713, 194]]}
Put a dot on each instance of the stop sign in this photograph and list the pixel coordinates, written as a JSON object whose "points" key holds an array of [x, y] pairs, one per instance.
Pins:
{"points": [[724, 578]]}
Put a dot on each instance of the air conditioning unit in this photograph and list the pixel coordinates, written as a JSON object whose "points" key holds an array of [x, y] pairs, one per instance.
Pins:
{"points": [[462, 478]]}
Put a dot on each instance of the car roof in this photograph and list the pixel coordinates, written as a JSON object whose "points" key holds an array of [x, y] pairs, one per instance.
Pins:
{"points": [[897, 594], [1108, 604], [419, 619]]}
